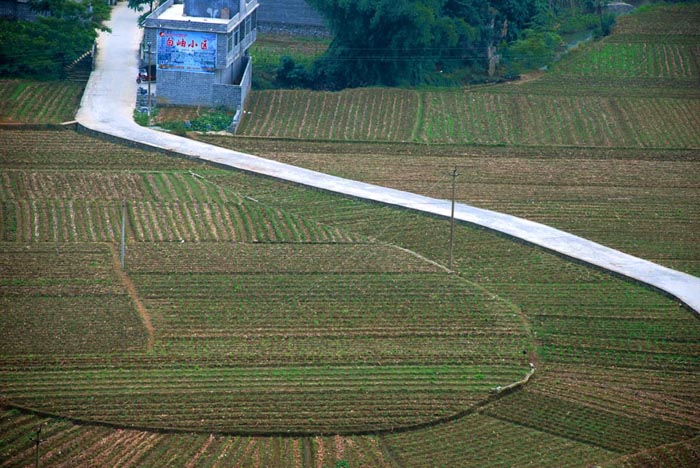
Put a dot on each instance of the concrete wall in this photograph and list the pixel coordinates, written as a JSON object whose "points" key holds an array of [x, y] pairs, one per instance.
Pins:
{"points": [[184, 88], [294, 16], [233, 96]]}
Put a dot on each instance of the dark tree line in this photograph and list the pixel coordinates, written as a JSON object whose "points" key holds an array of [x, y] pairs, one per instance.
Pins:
{"points": [[62, 32], [396, 42], [441, 42]]}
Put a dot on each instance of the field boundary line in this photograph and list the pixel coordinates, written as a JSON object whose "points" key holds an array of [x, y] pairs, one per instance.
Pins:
{"points": [[527, 326], [133, 294], [478, 407], [650, 451]]}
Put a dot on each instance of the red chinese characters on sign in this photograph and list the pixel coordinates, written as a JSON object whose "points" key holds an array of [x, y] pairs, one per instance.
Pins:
{"points": [[191, 51]]}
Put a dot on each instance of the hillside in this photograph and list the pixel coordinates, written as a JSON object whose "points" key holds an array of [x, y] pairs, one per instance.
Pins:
{"points": [[260, 324], [249, 307], [605, 145]]}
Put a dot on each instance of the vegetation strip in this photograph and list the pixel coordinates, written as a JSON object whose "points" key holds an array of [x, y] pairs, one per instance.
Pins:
{"points": [[133, 294]]}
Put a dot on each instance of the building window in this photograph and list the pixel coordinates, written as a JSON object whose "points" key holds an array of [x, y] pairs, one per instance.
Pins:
{"points": [[236, 36]]}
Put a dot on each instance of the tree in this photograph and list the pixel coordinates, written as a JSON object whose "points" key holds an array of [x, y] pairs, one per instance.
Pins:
{"points": [[138, 5], [392, 42], [42, 48]]}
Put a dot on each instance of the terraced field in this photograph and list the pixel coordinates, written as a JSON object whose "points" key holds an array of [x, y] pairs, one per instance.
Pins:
{"points": [[258, 324], [310, 321], [23, 102], [605, 145], [260, 320]]}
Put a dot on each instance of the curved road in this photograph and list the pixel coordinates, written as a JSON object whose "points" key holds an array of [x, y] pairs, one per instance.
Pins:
{"points": [[108, 104]]}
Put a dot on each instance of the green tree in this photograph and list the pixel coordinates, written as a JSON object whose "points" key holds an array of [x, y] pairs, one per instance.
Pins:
{"points": [[394, 42], [139, 5], [536, 49], [42, 48]]}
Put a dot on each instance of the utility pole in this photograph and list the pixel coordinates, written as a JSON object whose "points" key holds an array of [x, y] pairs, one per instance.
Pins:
{"points": [[123, 249], [149, 77], [37, 441], [452, 217]]}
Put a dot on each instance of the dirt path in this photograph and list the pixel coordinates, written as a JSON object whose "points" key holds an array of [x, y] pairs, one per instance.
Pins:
{"points": [[131, 289]]}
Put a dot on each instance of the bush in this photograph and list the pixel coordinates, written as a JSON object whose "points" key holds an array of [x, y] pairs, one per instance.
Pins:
{"points": [[291, 75], [577, 23], [141, 118], [536, 50], [213, 120]]}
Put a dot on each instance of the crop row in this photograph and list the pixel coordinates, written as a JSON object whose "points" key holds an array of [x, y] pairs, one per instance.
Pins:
{"points": [[640, 202], [252, 258], [662, 20], [92, 323], [68, 445], [615, 60], [487, 118], [670, 396], [684, 453], [276, 399], [460, 117], [480, 440], [64, 299], [67, 149], [38, 102], [361, 114], [587, 424], [315, 300], [42, 220], [104, 185], [47, 263]]}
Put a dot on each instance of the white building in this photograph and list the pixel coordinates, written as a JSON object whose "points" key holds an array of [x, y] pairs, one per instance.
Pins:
{"points": [[199, 50]]}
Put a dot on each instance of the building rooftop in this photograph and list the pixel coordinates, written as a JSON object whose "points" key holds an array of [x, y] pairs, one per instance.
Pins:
{"points": [[177, 12]]}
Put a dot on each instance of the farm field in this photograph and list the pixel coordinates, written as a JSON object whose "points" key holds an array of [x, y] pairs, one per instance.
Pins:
{"points": [[271, 319], [644, 203], [263, 321], [27, 102], [637, 88], [605, 145], [260, 324]]}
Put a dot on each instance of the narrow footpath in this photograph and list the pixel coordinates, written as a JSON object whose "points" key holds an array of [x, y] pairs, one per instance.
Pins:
{"points": [[107, 108]]}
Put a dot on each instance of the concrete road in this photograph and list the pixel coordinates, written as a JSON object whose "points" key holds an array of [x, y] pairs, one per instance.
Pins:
{"points": [[107, 108]]}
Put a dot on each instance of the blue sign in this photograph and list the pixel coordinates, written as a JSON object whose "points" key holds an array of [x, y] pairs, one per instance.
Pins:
{"points": [[188, 51]]}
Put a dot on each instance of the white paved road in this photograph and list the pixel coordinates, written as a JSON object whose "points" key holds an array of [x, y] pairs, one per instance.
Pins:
{"points": [[108, 104]]}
